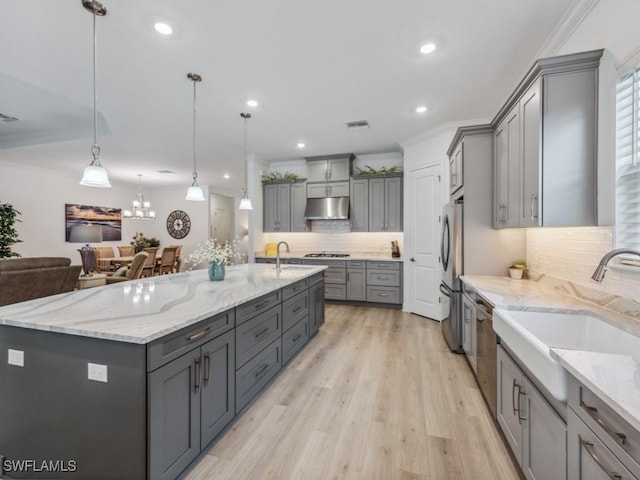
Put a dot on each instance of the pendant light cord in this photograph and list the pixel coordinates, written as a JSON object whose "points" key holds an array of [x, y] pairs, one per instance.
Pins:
{"points": [[95, 149], [245, 116], [195, 173]]}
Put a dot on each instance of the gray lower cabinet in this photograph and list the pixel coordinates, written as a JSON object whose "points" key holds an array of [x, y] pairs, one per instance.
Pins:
{"points": [[335, 278], [316, 306], [535, 433], [191, 399], [256, 373], [384, 282], [255, 334], [357, 280]]}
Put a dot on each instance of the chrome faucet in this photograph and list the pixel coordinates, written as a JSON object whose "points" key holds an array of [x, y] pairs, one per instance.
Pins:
{"points": [[601, 269], [278, 254]]}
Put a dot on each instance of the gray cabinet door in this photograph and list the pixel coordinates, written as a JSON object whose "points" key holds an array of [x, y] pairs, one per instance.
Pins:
{"points": [[357, 285], [338, 169], [174, 416], [284, 207], [317, 171], [544, 443], [359, 205], [376, 205], [393, 204], [270, 208], [338, 189], [217, 401], [298, 204], [531, 119], [316, 307], [455, 169], [510, 402]]}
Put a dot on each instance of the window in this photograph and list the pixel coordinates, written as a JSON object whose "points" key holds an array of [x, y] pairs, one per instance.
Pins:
{"points": [[628, 161]]}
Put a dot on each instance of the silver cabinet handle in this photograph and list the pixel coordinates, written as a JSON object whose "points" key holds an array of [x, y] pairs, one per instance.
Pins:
{"points": [[621, 438], [262, 371], [198, 335], [207, 368], [197, 375], [531, 205], [513, 398], [261, 332], [589, 447], [382, 278]]}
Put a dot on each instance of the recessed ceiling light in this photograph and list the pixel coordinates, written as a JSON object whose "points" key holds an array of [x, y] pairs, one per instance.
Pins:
{"points": [[163, 28], [226, 176], [421, 109], [252, 103], [427, 48], [300, 145]]}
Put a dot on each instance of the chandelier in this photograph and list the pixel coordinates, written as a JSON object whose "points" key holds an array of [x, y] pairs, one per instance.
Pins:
{"points": [[140, 209]]}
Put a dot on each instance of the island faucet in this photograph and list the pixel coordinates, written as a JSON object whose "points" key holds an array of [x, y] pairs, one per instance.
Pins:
{"points": [[601, 269], [278, 254]]}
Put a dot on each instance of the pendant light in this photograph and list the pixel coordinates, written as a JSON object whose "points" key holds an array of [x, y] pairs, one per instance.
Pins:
{"points": [[140, 208], [194, 194], [95, 175], [245, 203]]}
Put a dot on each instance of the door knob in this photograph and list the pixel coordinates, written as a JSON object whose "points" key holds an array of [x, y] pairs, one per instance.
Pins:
{"points": [[412, 259]]}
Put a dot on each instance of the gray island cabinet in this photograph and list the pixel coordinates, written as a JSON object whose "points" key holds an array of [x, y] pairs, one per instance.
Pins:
{"points": [[135, 380]]}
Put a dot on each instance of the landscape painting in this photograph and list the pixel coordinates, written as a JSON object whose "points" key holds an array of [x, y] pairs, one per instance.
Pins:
{"points": [[110, 219]]}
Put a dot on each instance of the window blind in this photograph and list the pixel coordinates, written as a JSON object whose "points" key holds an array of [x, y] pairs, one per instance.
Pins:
{"points": [[628, 161]]}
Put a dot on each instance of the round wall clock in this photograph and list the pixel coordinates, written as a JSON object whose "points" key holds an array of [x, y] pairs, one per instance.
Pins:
{"points": [[178, 224]]}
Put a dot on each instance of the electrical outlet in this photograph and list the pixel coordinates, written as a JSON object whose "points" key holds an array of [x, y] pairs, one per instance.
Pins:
{"points": [[97, 372], [16, 357]]}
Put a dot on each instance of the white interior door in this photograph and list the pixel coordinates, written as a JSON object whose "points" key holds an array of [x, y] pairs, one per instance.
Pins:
{"points": [[422, 242]]}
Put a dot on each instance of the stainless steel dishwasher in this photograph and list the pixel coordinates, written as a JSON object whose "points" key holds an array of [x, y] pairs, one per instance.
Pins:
{"points": [[486, 352]]}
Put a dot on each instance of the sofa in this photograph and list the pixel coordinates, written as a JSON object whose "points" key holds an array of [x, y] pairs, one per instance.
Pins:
{"points": [[24, 279]]}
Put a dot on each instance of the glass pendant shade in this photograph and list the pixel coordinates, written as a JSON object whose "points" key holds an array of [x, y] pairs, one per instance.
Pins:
{"points": [[95, 176], [194, 194], [245, 204]]}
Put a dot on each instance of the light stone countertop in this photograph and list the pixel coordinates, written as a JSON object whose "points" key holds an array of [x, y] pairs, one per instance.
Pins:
{"points": [[373, 256], [141, 311], [614, 378]]}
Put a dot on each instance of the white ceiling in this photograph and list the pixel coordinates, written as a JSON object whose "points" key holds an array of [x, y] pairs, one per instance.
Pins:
{"points": [[311, 65]]}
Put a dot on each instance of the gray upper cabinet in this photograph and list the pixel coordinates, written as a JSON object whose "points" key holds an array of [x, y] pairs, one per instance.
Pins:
{"points": [[455, 168], [327, 189], [385, 204], [546, 146], [359, 204], [277, 207], [298, 204], [329, 168]]}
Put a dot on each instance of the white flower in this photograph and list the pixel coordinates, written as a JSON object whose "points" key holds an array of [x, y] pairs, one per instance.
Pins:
{"points": [[214, 252]]}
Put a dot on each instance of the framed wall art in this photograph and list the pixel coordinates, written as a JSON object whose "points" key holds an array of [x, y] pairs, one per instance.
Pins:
{"points": [[108, 218]]}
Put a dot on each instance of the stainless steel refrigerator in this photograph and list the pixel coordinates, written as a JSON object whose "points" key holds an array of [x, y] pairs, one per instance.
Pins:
{"points": [[451, 252]]}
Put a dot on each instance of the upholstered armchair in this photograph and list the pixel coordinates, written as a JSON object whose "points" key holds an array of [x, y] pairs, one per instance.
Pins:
{"points": [[134, 271]]}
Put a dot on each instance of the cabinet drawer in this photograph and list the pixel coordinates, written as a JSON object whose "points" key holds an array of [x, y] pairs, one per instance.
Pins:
{"points": [[317, 278], [335, 292], [253, 376], [178, 343], [295, 309], [385, 278], [294, 339], [383, 294], [356, 264], [383, 265], [601, 418], [291, 290], [254, 307], [255, 334], [335, 275]]}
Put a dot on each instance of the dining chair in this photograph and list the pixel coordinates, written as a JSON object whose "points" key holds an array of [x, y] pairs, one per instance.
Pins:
{"points": [[103, 259], [178, 261], [134, 271], [167, 261], [149, 265], [126, 250]]}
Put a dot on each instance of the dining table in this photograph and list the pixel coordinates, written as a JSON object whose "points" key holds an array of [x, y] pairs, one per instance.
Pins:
{"points": [[126, 260]]}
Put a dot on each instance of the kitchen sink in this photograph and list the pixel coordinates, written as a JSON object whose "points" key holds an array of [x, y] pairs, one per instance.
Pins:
{"points": [[531, 335]]}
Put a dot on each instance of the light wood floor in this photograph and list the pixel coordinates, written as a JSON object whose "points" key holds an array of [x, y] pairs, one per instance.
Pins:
{"points": [[375, 395]]}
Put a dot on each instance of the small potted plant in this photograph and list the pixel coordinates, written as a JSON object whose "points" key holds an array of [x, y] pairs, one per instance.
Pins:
{"points": [[217, 255], [517, 268]]}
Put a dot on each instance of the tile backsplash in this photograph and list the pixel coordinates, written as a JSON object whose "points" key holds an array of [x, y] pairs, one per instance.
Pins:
{"points": [[572, 254], [335, 240]]}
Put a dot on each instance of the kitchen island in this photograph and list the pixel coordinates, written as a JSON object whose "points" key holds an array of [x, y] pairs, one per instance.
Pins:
{"points": [[134, 380]]}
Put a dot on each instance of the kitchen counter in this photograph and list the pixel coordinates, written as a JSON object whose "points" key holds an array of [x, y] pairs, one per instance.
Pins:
{"points": [[614, 378], [373, 256], [144, 310]]}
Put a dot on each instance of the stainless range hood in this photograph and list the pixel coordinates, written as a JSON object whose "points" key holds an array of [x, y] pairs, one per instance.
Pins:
{"points": [[329, 208]]}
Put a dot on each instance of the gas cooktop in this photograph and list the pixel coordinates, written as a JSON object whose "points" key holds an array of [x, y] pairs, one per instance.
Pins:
{"points": [[330, 255]]}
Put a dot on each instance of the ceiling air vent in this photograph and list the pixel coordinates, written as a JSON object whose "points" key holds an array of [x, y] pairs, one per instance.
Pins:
{"points": [[166, 172], [7, 118], [357, 124]]}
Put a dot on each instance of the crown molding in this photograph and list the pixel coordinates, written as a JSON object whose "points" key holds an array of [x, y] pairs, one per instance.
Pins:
{"points": [[440, 129]]}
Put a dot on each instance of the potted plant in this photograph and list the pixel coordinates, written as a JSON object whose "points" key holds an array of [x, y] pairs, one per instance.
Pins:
{"points": [[8, 233], [140, 242], [517, 268]]}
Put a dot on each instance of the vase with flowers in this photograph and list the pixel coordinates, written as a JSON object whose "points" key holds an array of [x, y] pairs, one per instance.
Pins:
{"points": [[218, 255]]}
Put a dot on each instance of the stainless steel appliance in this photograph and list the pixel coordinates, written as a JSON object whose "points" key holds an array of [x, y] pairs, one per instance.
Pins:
{"points": [[451, 260], [486, 352]]}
